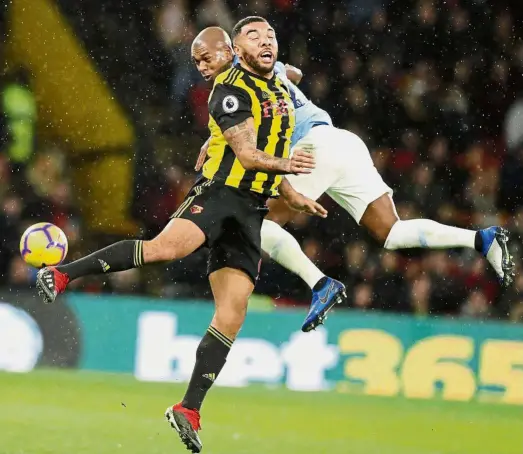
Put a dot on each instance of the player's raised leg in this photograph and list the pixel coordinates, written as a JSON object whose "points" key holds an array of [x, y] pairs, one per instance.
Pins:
{"points": [[179, 238], [231, 289], [381, 220], [361, 191], [283, 248]]}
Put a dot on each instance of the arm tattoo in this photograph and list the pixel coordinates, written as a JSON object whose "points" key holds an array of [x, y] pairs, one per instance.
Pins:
{"points": [[242, 139]]}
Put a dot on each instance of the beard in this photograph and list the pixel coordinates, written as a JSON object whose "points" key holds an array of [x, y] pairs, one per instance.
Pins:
{"points": [[253, 62]]}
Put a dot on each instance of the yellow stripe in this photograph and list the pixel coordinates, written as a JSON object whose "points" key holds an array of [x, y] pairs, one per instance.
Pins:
{"points": [[140, 253], [234, 75], [216, 150], [220, 336], [231, 76], [277, 181], [237, 170], [190, 200], [237, 74], [183, 207]]}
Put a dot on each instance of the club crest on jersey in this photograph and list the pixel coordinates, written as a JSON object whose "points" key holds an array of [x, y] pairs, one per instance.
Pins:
{"points": [[230, 104], [196, 209]]}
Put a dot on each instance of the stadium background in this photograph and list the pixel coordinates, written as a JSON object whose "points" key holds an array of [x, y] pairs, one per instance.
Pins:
{"points": [[102, 118]]}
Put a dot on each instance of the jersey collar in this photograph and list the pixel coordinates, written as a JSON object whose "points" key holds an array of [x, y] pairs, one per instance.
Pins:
{"points": [[241, 68]]}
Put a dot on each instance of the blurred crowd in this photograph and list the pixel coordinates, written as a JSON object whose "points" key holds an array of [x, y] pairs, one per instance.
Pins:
{"points": [[435, 88]]}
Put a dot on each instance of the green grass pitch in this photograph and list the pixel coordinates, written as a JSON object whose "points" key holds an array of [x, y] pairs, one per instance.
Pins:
{"points": [[70, 412]]}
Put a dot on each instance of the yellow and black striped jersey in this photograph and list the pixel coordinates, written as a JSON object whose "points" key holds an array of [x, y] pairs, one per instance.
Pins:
{"points": [[237, 95]]}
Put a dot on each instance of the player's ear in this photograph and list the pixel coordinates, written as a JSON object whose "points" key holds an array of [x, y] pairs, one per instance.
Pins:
{"points": [[237, 51]]}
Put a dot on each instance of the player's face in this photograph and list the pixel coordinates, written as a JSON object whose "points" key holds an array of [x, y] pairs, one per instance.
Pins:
{"points": [[211, 59], [257, 46]]}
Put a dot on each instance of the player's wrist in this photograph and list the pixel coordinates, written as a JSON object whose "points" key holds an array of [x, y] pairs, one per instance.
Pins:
{"points": [[284, 165]]}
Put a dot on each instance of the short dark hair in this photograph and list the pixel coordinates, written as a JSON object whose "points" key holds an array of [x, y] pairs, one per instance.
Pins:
{"points": [[237, 29]]}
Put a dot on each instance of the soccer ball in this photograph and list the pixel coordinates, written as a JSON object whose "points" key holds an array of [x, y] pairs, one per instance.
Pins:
{"points": [[43, 244]]}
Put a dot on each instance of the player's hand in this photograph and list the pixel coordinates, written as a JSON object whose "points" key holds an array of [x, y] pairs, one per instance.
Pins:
{"points": [[202, 156], [302, 162], [298, 202]]}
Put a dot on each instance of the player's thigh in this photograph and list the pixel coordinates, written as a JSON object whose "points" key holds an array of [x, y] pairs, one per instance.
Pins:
{"points": [[355, 196], [359, 183], [231, 289], [178, 239], [234, 264], [206, 206], [239, 247]]}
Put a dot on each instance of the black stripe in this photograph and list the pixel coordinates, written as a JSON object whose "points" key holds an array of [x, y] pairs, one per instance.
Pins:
{"points": [[225, 168], [263, 131], [280, 145]]}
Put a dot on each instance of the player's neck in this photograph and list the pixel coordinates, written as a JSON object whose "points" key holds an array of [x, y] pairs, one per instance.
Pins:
{"points": [[247, 68]]}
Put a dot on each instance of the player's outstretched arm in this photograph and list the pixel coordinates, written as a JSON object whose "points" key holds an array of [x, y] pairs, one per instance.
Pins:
{"points": [[298, 202], [242, 140]]}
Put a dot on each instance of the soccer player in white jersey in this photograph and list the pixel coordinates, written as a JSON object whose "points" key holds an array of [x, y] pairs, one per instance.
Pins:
{"points": [[346, 172]]}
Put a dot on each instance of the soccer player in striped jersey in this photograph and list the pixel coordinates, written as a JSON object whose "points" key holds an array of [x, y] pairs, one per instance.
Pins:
{"points": [[251, 123]]}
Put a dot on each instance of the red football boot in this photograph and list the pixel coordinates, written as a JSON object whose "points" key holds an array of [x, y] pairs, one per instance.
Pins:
{"points": [[186, 422], [50, 282]]}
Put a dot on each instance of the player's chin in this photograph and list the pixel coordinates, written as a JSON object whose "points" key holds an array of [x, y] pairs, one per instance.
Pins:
{"points": [[266, 66]]}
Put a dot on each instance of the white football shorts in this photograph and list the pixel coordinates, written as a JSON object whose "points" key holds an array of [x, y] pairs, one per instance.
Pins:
{"points": [[344, 170]]}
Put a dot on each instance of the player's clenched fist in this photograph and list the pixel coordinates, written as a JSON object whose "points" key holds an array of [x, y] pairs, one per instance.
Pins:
{"points": [[302, 162]]}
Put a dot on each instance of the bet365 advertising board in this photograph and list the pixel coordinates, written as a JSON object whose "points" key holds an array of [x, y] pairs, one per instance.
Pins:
{"points": [[373, 354]]}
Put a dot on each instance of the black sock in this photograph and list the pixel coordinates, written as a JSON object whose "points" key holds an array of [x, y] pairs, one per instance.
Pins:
{"points": [[478, 242], [210, 359], [320, 284], [119, 256]]}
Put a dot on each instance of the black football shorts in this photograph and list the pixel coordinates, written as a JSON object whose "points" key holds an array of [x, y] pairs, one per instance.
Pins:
{"points": [[231, 220]]}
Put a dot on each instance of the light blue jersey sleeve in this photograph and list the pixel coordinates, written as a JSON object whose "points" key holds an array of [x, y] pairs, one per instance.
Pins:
{"points": [[308, 114]]}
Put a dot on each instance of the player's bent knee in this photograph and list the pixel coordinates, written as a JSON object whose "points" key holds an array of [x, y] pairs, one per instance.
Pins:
{"points": [[379, 218], [383, 233], [390, 243], [229, 320], [156, 250]]}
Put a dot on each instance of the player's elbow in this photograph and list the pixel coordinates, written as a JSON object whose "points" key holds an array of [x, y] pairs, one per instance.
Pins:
{"points": [[247, 162], [293, 74]]}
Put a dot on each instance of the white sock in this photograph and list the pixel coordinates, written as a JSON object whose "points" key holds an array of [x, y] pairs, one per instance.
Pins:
{"points": [[283, 248], [428, 234]]}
